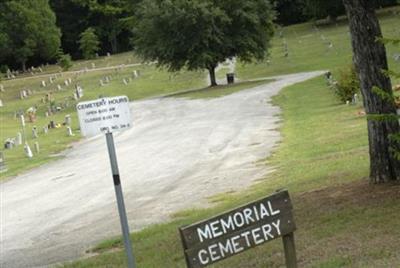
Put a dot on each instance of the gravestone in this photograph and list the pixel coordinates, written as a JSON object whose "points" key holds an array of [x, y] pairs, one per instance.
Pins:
{"points": [[18, 139], [67, 120], [66, 82], [43, 84], [2, 88], [79, 92], [107, 79], [34, 133], [101, 83], [125, 81], [1, 103], [396, 57], [28, 151], [108, 54], [52, 124], [37, 147], [59, 87], [69, 132], [45, 129], [3, 166], [9, 144], [355, 99], [93, 65], [51, 79]]}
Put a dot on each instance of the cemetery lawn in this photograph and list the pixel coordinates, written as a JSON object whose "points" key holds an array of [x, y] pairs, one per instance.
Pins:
{"points": [[323, 161], [152, 82], [309, 48]]}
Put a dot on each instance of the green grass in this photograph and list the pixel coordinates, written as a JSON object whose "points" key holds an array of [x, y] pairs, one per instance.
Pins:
{"points": [[220, 91], [309, 52], [323, 161]]}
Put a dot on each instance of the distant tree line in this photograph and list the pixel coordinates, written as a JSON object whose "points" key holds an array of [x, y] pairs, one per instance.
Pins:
{"points": [[33, 32], [297, 11]]}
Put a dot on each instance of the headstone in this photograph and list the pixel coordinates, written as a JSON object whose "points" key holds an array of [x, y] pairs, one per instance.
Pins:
{"points": [[2, 88], [1, 103], [66, 82], [396, 57], [52, 124], [34, 133], [51, 79], [79, 92], [108, 54], [40, 69], [37, 148], [355, 99], [18, 139], [45, 129], [9, 144], [93, 65], [3, 166], [101, 83], [70, 80], [125, 81], [75, 96], [97, 55], [28, 151], [135, 74], [43, 83], [69, 132], [67, 120], [107, 79], [59, 87]]}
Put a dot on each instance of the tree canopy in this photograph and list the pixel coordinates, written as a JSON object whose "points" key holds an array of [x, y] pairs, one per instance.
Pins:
{"points": [[28, 31], [199, 34]]}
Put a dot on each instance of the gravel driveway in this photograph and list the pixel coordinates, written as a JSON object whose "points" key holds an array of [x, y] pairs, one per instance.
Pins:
{"points": [[178, 153]]}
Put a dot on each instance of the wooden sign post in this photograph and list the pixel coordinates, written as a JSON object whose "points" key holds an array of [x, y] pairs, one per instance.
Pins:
{"points": [[238, 230]]}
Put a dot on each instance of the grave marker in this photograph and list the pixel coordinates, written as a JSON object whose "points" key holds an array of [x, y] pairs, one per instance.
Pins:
{"points": [[18, 139], [241, 229], [2, 88], [34, 133], [37, 147]]}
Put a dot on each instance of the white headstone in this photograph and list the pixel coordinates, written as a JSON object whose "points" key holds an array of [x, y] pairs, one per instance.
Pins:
{"points": [[1, 103], [66, 83], [59, 87], [68, 119], [2, 88], [37, 148], [34, 133], [101, 83], [28, 151], [43, 83], [93, 65], [69, 132], [125, 81], [18, 139], [45, 129]]}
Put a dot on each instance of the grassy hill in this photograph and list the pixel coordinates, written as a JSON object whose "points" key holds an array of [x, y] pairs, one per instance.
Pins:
{"points": [[323, 161]]}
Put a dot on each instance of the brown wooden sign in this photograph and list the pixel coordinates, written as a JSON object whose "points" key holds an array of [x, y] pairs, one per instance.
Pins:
{"points": [[237, 230]]}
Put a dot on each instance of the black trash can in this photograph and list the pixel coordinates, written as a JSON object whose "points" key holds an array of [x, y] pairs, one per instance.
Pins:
{"points": [[230, 78]]}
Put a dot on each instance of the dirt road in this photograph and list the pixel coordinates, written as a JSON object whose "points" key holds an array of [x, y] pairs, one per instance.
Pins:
{"points": [[178, 153]]}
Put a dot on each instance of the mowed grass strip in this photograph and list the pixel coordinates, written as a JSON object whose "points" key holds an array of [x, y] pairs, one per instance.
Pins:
{"points": [[323, 161]]}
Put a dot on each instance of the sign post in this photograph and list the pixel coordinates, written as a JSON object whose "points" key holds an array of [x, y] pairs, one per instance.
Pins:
{"points": [[238, 230], [108, 115]]}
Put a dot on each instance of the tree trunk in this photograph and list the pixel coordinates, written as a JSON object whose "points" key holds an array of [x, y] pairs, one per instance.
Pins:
{"points": [[369, 57], [213, 79]]}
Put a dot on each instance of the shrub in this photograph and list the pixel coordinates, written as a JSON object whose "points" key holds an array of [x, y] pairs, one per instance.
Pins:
{"points": [[65, 62], [347, 85]]}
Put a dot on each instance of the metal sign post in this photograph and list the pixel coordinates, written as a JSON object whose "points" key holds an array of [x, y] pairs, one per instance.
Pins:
{"points": [[120, 199], [108, 115]]}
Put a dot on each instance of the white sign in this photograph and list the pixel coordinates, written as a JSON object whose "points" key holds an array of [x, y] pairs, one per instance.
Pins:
{"points": [[104, 115]]}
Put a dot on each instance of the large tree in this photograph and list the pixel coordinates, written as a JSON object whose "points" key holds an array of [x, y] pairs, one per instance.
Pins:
{"points": [[369, 56], [29, 30], [199, 34]]}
